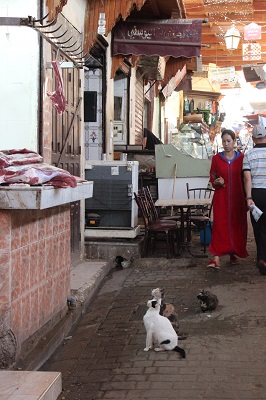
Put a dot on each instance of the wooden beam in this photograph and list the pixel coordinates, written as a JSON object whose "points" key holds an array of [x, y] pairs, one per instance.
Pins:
{"points": [[259, 5], [231, 61], [223, 8]]}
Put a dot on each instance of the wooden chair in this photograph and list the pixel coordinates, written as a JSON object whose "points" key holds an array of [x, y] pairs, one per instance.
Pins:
{"points": [[154, 227], [200, 216], [145, 191], [200, 193], [147, 194]]}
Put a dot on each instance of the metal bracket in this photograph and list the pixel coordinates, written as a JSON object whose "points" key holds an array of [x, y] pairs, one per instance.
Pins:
{"points": [[60, 28], [13, 21]]}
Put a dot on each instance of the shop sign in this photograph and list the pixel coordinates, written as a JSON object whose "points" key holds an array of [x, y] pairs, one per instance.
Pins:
{"points": [[251, 51], [167, 37], [223, 75], [252, 32]]}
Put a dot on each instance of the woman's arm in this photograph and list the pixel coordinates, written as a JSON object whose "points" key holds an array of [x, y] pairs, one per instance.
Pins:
{"points": [[216, 180]]}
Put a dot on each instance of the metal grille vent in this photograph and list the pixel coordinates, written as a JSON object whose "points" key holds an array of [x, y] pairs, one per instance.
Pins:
{"points": [[109, 195]]}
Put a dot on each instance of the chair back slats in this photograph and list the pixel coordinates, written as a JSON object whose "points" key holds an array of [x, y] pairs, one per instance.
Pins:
{"points": [[200, 193], [154, 226], [142, 208], [200, 215], [150, 203]]}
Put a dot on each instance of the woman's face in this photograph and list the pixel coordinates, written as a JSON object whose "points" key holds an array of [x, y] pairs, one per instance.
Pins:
{"points": [[228, 143]]}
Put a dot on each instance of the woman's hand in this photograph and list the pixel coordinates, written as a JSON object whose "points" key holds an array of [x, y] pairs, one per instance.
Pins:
{"points": [[219, 181]]}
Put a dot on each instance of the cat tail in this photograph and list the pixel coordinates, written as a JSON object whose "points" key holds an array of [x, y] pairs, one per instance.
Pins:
{"points": [[181, 351]]}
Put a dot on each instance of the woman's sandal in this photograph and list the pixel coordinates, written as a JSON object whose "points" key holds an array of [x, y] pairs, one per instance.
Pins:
{"points": [[213, 264], [234, 260]]}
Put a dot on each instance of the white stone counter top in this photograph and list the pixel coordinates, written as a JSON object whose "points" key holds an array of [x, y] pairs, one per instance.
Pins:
{"points": [[30, 385], [23, 197]]}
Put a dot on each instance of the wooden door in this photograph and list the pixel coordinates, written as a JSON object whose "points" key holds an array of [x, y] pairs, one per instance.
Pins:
{"points": [[66, 145]]}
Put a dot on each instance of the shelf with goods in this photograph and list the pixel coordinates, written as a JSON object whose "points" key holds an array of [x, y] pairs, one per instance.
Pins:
{"points": [[202, 102], [193, 139], [200, 111]]}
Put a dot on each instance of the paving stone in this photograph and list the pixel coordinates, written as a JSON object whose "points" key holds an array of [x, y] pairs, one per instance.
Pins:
{"points": [[225, 348]]}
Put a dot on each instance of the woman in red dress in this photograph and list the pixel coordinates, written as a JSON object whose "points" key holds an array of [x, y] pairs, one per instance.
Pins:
{"points": [[229, 231]]}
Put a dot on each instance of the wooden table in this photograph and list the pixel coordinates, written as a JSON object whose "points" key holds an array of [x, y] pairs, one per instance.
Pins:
{"points": [[185, 205]]}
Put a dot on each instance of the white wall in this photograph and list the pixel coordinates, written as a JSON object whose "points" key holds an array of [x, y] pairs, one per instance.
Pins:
{"points": [[172, 110], [74, 11], [168, 188], [18, 78], [156, 112]]}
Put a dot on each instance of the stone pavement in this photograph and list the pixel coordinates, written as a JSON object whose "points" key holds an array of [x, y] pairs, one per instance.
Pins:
{"points": [[103, 357]]}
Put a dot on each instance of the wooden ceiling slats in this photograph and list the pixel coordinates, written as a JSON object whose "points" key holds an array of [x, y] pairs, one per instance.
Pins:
{"points": [[219, 9], [96, 13], [114, 14], [107, 9], [112, 9], [259, 5], [220, 16]]}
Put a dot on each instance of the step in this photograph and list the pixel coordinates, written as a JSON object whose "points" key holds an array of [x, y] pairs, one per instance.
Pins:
{"points": [[86, 277], [30, 385], [109, 249]]}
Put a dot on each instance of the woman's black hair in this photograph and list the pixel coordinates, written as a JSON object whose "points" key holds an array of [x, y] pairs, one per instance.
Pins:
{"points": [[229, 132]]}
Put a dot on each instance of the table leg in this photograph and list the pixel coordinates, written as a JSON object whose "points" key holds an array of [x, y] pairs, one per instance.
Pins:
{"points": [[187, 245]]}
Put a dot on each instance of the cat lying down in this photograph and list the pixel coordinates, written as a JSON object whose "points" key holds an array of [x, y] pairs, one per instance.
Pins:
{"points": [[160, 330], [208, 300]]}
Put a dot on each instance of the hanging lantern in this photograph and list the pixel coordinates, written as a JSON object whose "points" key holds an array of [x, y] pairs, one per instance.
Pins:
{"points": [[232, 38]]}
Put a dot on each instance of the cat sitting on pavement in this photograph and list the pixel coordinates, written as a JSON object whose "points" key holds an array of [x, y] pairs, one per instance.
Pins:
{"points": [[166, 309], [160, 330]]}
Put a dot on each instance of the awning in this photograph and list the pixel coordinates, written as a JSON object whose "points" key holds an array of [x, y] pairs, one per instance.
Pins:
{"points": [[168, 37], [254, 73], [174, 82]]}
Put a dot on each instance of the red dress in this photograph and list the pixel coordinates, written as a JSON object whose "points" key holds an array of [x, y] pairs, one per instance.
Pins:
{"points": [[229, 231]]}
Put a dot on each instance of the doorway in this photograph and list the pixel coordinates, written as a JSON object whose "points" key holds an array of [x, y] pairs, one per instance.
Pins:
{"points": [[66, 145]]}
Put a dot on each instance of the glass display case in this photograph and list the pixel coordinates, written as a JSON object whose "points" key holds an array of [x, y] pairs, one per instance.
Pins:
{"points": [[193, 140]]}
